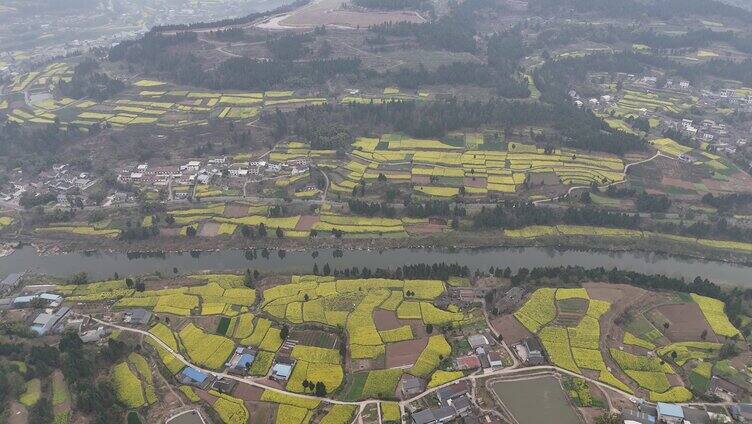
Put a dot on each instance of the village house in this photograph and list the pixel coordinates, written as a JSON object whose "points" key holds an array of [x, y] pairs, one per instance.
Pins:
{"points": [[241, 360], [194, 377], [137, 316], [191, 166], [530, 352], [725, 389]]}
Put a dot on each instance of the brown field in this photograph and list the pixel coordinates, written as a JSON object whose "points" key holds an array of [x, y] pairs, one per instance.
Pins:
{"points": [[209, 229], [248, 392], [474, 182], [424, 228], [386, 320], [261, 412], [236, 210], [675, 182], [612, 292], [314, 338], [306, 222], [205, 396], [511, 329], [404, 353], [18, 414], [169, 232], [686, 322], [330, 12], [421, 179]]}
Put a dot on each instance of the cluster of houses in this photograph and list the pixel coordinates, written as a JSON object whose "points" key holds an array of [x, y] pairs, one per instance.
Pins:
{"points": [[481, 355], [670, 413], [59, 180], [200, 172], [454, 402]]}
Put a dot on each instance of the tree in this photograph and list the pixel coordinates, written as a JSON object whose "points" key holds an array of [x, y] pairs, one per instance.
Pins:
{"points": [[170, 220], [190, 231], [320, 389], [280, 233], [315, 269], [429, 328], [41, 412], [326, 269], [248, 278], [284, 332], [608, 418], [262, 230]]}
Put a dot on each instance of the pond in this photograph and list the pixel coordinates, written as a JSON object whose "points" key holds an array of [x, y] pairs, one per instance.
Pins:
{"points": [[538, 400]]}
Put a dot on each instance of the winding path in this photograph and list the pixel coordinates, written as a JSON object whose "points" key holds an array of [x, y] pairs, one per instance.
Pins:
{"points": [[514, 372]]}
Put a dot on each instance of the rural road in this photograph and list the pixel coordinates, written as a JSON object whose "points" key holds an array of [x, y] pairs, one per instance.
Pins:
{"points": [[504, 372]]}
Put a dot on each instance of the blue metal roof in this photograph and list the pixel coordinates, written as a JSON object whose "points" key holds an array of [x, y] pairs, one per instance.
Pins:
{"points": [[245, 359], [670, 410], [194, 374], [282, 370]]}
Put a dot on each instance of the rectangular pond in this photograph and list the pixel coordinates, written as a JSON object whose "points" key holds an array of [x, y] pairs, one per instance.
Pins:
{"points": [[535, 401]]}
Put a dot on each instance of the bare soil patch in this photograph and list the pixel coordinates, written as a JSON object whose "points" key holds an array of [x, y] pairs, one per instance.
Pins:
{"points": [[386, 320], [425, 228], [209, 229], [676, 182], [511, 329], [404, 353], [612, 292], [248, 392], [316, 338], [686, 322], [205, 396], [262, 412], [421, 179], [306, 222], [330, 12], [474, 182], [236, 210], [17, 414], [169, 232]]}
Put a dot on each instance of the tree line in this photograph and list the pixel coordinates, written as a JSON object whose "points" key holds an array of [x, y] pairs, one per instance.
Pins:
{"points": [[423, 271], [336, 126]]}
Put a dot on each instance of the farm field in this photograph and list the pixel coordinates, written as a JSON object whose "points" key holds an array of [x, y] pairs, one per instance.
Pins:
{"points": [[442, 168], [539, 231], [569, 324]]}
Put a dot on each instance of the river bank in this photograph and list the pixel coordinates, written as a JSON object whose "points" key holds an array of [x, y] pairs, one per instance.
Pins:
{"points": [[455, 239]]}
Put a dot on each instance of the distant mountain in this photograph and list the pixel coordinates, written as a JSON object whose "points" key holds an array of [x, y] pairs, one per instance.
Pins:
{"points": [[745, 4]]}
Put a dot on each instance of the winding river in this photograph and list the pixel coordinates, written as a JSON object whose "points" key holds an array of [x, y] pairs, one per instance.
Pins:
{"points": [[99, 265]]}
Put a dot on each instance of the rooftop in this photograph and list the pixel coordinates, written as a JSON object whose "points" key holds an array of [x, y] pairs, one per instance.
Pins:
{"points": [[282, 370], [670, 410], [194, 374]]}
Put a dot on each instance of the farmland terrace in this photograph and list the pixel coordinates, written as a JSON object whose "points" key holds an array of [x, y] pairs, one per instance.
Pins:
{"points": [[282, 147]]}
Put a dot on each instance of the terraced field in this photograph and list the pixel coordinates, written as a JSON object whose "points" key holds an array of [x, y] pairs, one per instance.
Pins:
{"points": [[571, 336]]}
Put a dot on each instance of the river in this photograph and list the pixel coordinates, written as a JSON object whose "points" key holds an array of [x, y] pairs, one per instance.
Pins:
{"points": [[99, 265]]}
